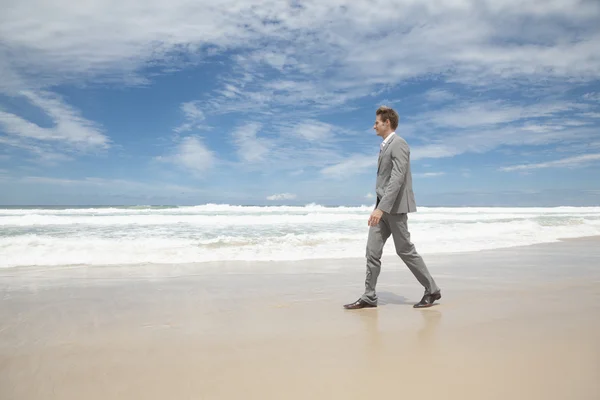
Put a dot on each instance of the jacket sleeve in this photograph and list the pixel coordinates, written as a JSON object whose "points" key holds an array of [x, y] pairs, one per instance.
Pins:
{"points": [[400, 157]]}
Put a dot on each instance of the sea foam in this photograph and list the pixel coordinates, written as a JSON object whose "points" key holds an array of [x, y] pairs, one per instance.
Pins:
{"points": [[216, 232]]}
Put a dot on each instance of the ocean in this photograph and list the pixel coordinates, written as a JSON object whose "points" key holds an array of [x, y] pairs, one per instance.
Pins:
{"points": [[97, 236]]}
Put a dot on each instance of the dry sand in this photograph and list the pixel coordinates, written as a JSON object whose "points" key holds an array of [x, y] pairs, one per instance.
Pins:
{"points": [[519, 323]]}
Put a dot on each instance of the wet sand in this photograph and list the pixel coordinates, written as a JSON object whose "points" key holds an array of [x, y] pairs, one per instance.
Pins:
{"points": [[517, 323]]}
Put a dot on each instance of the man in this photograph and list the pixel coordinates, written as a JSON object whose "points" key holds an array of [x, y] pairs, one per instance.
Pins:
{"points": [[395, 199]]}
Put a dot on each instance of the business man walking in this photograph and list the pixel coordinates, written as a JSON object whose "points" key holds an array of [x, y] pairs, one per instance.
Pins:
{"points": [[395, 199]]}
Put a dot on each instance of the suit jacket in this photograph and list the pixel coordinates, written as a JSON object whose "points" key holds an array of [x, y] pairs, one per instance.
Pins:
{"points": [[394, 179]]}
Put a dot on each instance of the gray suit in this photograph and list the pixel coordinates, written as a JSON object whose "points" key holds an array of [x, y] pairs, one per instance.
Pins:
{"points": [[396, 199]]}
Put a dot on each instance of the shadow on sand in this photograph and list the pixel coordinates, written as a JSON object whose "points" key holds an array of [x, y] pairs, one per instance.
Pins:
{"points": [[384, 298]]}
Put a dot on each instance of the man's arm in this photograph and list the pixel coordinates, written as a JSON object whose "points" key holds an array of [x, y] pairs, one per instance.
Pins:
{"points": [[399, 155]]}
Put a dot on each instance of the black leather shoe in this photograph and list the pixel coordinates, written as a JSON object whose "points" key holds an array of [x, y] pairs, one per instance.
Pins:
{"points": [[358, 304], [428, 300]]}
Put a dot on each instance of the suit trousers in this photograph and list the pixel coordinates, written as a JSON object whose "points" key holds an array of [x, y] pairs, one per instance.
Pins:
{"points": [[396, 226]]}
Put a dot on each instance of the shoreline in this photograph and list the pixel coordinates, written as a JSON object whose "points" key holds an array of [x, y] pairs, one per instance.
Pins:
{"points": [[75, 206], [240, 264]]}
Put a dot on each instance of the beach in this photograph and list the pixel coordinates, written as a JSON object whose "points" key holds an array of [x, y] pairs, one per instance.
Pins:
{"points": [[518, 322], [195, 197]]}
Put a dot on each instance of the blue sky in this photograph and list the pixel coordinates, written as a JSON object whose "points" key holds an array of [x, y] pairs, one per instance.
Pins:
{"points": [[272, 102]]}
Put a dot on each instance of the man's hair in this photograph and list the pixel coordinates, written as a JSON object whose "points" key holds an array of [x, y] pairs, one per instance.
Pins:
{"points": [[386, 113]]}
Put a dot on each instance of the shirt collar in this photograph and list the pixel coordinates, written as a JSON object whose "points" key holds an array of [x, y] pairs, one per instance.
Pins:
{"points": [[387, 139]]}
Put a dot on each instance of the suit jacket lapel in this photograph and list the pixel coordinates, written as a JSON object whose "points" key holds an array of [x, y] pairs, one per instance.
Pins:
{"points": [[385, 149]]}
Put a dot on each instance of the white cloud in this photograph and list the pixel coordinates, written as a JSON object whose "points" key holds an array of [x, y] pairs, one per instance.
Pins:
{"points": [[590, 114], [592, 96], [313, 131], [484, 140], [369, 196], [191, 154], [281, 196], [294, 146], [439, 95], [470, 127], [302, 55], [274, 57], [428, 41], [468, 114], [274, 146], [308, 41], [352, 165], [117, 185], [569, 162], [436, 150], [250, 148], [42, 153], [193, 115], [70, 128], [115, 40], [467, 126], [429, 174], [192, 111], [69, 134]]}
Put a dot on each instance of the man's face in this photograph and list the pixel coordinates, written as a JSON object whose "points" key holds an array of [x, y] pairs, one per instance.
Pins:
{"points": [[380, 127]]}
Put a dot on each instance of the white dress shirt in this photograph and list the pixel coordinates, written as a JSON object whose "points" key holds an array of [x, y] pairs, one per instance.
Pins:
{"points": [[387, 139]]}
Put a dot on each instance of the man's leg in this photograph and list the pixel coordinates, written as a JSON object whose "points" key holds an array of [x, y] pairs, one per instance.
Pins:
{"points": [[378, 235], [407, 252]]}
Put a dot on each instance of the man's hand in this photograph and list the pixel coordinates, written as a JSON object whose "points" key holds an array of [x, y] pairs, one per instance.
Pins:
{"points": [[375, 217]]}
